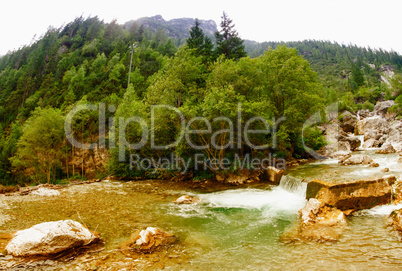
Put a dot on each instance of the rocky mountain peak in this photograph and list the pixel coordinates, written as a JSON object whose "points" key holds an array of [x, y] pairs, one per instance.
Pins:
{"points": [[176, 28]]}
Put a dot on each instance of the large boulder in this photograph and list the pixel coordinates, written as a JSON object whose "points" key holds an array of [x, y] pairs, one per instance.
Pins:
{"points": [[320, 222], [147, 241], [353, 141], [348, 122], [49, 238], [386, 148], [395, 135], [373, 127], [381, 108], [358, 159], [357, 195]]}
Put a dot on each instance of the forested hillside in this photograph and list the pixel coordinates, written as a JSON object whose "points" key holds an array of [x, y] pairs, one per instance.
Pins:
{"points": [[344, 68], [88, 61]]}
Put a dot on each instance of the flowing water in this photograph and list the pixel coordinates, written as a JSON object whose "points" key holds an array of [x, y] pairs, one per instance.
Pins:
{"points": [[235, 229], [329, 170]]}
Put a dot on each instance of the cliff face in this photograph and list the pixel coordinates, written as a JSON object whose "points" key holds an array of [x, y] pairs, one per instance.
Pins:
{"points": [[176, 28]]}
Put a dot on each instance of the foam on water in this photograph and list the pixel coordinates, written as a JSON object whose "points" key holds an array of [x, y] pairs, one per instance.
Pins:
{"points": [[326, 162], [277, 199], [382, 210], [287, 198]]}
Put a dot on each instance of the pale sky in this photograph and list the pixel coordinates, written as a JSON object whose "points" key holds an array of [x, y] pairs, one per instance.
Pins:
{"points": [[365, 23]]}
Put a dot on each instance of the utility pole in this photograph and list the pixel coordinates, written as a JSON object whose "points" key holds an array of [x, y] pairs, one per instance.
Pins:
{"points": [[131, 62]]}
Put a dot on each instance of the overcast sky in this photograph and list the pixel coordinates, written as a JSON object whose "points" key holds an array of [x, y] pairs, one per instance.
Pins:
{"points": [[365, 23]]}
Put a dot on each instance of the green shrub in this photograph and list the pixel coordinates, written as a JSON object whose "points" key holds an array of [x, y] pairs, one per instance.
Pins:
{"points": [[368, 105]]}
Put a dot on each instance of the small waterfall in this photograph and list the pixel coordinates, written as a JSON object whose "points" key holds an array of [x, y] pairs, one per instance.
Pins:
{"points": [[361, 138], [293, 185]]}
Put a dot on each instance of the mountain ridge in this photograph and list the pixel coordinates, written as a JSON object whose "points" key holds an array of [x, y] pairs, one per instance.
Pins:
{"points": [[176, 28]]}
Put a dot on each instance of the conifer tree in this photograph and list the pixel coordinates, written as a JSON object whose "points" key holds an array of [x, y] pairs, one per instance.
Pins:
{"points": [[196, 39], [199, 41], [228, 41]]}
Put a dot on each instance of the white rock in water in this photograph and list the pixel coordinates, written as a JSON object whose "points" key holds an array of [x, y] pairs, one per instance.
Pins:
{"points": [[186, 200], [45, 192], [144, 235], [49, 238], [312, 207]]}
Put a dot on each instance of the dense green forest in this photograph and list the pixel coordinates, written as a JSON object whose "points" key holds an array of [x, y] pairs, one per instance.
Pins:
{"points": [[88, 61]]}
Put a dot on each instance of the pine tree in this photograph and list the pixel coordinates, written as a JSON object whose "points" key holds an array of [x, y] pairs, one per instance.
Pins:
{"points": [[199, 41], [196, 39], [228, 41]]}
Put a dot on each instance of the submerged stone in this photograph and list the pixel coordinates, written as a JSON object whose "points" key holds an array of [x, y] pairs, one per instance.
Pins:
{"points": [[147, 241]]}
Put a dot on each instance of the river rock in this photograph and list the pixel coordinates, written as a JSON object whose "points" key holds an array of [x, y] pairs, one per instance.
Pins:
{"points": [[358, 159], [186, 199], [49, 238], [386, 148], [270, 175], [318, 222], [396, 221], [310, 211], [147, 241], [397, 190], [357, 195], [274, 175]]}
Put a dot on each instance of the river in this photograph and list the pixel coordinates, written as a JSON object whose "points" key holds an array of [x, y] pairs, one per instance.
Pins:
{"points": [[232, 229]]}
